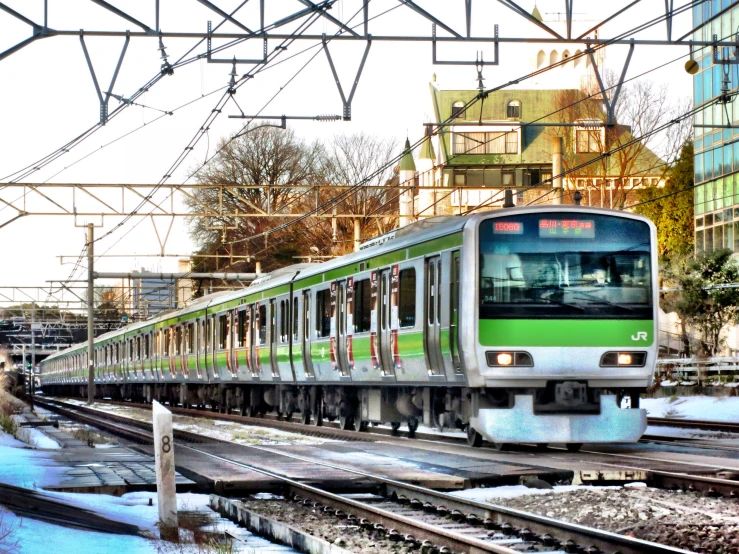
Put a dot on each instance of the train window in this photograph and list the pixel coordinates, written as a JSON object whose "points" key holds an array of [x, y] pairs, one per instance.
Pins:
{"points": [[241, 339], [306, 311], [407, 300], [282, 321], [273, 321], [323, 313], [178, 340], [146, 346], [167, 341], [263, 324], [362, 306], [222, 332], [295, 319], [191, 337]]}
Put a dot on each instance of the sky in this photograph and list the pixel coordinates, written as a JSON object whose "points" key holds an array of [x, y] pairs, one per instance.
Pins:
{"points": [[47, 97]]}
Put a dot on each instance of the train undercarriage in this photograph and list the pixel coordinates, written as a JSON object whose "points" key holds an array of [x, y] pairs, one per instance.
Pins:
{"points": [[564, 412]]}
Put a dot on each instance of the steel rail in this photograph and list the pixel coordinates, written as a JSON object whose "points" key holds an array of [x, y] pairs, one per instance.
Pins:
{"points": [[664, 479], [704, 425], [495, 515]]}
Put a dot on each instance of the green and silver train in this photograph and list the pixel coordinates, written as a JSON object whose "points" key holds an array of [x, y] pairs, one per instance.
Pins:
{"points": [[533, 325]]}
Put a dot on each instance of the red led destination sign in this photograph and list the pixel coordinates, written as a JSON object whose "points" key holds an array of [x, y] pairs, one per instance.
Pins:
{"points": [[508, 228], [566, 229]]}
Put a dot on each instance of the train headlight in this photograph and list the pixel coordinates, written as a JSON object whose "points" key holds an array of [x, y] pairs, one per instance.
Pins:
{"points": [[623, 359], [504, 358], [509, 359]]}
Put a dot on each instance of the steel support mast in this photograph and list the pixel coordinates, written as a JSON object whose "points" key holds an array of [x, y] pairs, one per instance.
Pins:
{"points": [[90, 314]]}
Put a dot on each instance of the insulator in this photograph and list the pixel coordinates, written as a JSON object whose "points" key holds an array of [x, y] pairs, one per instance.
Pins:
{"points": [[162, 50], [328, 117]]}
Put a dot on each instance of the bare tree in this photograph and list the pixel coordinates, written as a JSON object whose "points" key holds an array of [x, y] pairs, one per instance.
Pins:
{"points": [[261, 167], [366, 160], [637, 150], [271, 171]]}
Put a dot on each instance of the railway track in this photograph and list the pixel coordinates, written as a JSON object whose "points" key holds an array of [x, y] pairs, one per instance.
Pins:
{"points": [[726, 426], [425, 519], [659, 479]]}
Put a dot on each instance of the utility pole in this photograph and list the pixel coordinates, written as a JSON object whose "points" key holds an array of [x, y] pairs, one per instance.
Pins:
{"points": [[557, 170], [90, 316]]}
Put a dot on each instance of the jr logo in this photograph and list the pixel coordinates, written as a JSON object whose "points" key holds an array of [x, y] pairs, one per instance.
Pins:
{"points": [[640, 335]]}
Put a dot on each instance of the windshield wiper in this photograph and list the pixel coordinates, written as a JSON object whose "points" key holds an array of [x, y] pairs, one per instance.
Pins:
{"points": [[605, 302], [560, 303]]}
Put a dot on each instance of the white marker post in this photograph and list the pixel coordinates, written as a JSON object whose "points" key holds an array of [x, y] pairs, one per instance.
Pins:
{"points": [[164, 461]]}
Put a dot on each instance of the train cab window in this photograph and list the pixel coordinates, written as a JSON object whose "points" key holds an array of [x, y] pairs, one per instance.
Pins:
{"points": [[295, 319], [262, 324], [362, 306], [323, 313], [407, 298]]}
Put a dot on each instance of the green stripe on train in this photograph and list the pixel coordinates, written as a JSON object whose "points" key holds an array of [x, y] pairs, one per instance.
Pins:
{"points": [[566, 332]]}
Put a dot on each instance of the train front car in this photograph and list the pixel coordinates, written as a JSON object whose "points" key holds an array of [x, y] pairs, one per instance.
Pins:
{"points": [[564, 328]]}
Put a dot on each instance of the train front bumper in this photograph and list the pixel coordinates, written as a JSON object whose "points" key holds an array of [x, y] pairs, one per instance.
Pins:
{"points": [[520, 425]]}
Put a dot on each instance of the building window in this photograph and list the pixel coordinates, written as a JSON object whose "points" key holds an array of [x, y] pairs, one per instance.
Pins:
{"points": [[505, 142], [514, 109], [509, 179], [588, 140], [458, 110], [407, 299]]}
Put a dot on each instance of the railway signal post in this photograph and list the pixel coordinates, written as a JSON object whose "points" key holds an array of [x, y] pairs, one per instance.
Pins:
{"points": [[164, 462]]}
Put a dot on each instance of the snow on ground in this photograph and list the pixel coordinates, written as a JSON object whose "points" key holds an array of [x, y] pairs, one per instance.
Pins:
{"points": [[515, 491], [217, 429], [679, 433], [710, 408], [25, 467]]}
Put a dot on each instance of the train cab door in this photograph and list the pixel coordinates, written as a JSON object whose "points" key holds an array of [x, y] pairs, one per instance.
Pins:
{"points": [[385, 308], [307, 360], [432, 319]]}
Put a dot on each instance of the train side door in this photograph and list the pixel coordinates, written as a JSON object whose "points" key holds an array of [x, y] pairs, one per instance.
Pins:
{"points": [[454, 313], [432, 320], [340, 343], [382, 283], [307, 361]]}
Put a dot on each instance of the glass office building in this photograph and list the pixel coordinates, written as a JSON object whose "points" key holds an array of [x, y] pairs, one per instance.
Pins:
{"points": [[716, 148]]}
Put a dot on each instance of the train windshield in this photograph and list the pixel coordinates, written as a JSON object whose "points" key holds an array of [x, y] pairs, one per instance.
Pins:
{"points": [[565, 265]]}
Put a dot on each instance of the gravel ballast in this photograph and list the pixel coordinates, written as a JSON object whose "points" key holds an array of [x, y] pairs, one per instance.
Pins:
{"points": [[687, 520]]}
